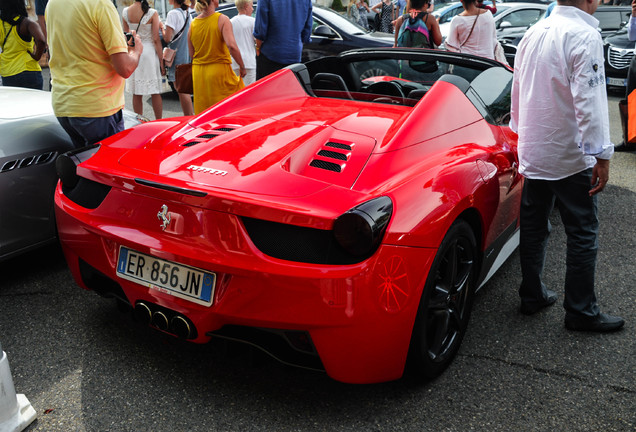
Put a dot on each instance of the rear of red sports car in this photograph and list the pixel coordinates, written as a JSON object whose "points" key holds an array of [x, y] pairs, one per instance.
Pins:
{"points": [[278, 218]]}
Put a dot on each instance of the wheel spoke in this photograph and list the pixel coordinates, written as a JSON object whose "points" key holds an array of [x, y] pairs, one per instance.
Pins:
{"points": [[439, 334]]}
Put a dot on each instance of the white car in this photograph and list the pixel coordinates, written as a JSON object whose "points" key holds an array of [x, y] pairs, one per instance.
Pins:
{"points": [[511, 20]]}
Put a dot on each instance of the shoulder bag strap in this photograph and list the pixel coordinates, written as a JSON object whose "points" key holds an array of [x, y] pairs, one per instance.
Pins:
{"points": [[471, 30], [178, 35], [7, 35], [140, 19], [11, 25]]}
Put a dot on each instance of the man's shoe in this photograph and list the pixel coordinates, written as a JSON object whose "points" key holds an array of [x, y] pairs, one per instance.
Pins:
{"points": [[602, 323], [533, 308], [622, 147]]}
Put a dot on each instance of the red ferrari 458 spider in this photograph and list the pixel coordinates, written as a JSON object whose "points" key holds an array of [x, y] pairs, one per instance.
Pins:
{"points": [[338, 214]]}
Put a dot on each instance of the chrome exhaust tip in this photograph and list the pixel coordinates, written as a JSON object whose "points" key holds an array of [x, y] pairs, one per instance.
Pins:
{"points": [[181, 327], [142, 313], [160, 320]]}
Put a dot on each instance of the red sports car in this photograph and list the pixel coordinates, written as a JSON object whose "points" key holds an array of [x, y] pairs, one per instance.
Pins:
{"points": [[339, 220]]}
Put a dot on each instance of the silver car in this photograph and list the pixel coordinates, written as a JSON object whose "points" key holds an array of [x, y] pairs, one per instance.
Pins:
{"points": [[30, 141]]}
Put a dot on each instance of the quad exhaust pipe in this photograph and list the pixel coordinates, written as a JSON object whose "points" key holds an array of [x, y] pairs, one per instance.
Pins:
{"points": [[164, 319]]}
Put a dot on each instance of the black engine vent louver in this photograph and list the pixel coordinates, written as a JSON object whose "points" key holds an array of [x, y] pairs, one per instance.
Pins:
{"points": [[338, 145], [200, 138], [330, 158]]}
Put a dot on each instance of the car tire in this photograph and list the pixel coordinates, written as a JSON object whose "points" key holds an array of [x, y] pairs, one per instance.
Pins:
{"points": [[445, 306]]}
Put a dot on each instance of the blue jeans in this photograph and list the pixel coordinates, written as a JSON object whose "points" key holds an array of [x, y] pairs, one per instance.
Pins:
{"points": [[26, 79], [89, 130], [579, 216]]}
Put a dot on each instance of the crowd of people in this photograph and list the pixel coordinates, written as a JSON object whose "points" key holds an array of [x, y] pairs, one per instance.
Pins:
{"points": [[130, 52], [563, 127]]}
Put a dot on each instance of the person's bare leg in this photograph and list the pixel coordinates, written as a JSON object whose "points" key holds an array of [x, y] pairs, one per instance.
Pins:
{"points": [[186, 104], [157, 105]]}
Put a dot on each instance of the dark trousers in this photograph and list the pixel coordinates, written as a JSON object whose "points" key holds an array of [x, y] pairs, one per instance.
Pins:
{"points": [[579, 216], [26, 79], [89, 130], [265, 66]]}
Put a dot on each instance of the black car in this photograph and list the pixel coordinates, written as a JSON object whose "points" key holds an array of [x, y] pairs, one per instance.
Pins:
{"points": [[612, 18], [332, 33], [619, 51], [31, 139]]}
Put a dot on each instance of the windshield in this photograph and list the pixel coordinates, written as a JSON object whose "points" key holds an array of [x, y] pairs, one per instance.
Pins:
{"points": [[336, 20], [500, 9]]}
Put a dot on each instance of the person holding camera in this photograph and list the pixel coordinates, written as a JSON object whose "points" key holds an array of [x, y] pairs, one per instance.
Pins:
{"points": [[89, 63]]}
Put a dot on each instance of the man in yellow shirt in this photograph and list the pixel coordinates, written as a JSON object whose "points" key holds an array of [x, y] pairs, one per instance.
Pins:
{"points": [[90, 60]]}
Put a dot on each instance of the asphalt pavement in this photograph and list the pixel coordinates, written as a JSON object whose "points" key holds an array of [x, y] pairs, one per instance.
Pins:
{"points": [[86, 367]]}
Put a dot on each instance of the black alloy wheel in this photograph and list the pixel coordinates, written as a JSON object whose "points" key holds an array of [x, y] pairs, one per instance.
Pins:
{"points": [[444, 310]]}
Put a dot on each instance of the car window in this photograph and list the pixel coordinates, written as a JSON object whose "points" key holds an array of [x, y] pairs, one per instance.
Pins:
{"points": [[447, 17], [610, 20], [231, 12], [522, 18], [493, 87], [501, 9]]}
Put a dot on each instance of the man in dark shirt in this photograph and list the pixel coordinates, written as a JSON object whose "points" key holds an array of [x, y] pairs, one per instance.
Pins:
{"points": [[281, 28]]}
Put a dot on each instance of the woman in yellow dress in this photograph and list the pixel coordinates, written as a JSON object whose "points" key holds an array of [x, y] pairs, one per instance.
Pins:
{"points": [[211, 41]]}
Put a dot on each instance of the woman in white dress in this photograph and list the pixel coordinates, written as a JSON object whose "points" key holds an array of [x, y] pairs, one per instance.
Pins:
{"points": [[146, 80], [473, 31]]}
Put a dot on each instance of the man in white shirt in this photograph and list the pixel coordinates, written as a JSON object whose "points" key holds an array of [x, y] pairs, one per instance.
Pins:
{"points": [[243, 28], [559, 109]]}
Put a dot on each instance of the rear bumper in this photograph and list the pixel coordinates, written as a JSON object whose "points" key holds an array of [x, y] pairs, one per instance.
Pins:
{"points": [[358, 318]]}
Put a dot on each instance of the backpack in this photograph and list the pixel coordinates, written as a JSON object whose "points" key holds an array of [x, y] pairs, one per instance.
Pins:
{"points": [[414, 33]]}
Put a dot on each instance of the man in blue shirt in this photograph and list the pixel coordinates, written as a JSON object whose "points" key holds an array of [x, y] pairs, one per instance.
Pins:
{"points": [[281, 28]]}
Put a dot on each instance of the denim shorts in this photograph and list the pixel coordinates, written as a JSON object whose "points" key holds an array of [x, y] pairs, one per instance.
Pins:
{"points": [[26, 79]]}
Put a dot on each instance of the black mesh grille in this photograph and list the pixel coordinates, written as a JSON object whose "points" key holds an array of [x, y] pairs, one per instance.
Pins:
{"points": [[338, 145], [224, 129], [208, 135], [299, 244], [190, 143], [329, 166], [332, 155]]}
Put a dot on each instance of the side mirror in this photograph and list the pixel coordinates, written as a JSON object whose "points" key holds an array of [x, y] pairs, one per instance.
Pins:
{"points": [[504, 25], [324, 31]]}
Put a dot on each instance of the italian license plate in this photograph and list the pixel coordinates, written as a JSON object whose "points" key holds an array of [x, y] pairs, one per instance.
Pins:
{"points": [[166, 276], [621, 82]]}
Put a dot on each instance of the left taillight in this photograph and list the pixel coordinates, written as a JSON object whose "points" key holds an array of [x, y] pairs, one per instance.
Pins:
{"points": [[81, 191], [66, 164]]}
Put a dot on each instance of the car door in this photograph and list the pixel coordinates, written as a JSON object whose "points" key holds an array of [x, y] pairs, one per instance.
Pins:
{"points": [[326, 40], [518, 21]]}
